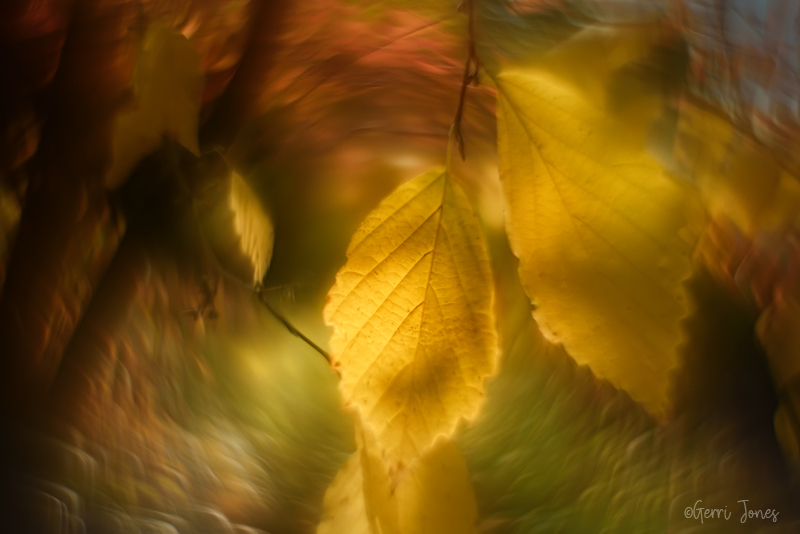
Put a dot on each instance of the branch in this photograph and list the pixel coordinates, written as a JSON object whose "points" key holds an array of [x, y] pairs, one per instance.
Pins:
{"points": [[262, 297], [470, 75]]}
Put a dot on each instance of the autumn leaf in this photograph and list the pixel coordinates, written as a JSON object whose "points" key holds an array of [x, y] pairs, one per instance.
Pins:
{"points": [[167, 86], [614, 69], [360, 499], [433, 496], [344, 505], [252, 225], [236, 226], [600, 231], [414, 334], [590, 58], [739, 178], [436, 495]]}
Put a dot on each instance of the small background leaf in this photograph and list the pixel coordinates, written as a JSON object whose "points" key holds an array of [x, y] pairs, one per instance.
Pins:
{"points": [[739, 178], [167, 87], [236, 225], [253, 225]]}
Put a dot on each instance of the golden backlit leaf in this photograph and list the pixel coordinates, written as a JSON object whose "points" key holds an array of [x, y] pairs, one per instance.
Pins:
{"points": [[433, 496], [600, 231], [167, 85], [414, 332], [344, 506], [253, 226], [361, 498]]}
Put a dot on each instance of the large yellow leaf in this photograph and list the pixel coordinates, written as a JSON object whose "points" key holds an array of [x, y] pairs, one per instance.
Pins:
{"points": [[432, 496], [599, 230], [167, 85], [412, 309]]}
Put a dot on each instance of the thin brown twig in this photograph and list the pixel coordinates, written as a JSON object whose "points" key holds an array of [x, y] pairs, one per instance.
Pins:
{"points": [[357, 58], [471, 69], [262, 297]]}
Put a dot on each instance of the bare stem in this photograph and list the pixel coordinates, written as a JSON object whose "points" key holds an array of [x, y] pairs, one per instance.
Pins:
{"points": [[471, 69], [262, 297]]}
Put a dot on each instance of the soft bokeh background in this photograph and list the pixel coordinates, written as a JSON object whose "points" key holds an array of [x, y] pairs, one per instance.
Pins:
{"points": [[130, 404]]}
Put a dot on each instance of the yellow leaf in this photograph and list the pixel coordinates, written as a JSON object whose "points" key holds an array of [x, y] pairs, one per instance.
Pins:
{"points": [[599, 230], [167, 86], [253, 225], [436, 495], [740, 179], [589, 59], [433, 496], [361, 498], [236, 226], [344, 509], [414, 333]]}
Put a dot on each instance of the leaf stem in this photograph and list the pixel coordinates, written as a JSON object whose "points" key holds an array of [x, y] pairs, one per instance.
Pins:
{"points": [[471, 69], [262, 297]]}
